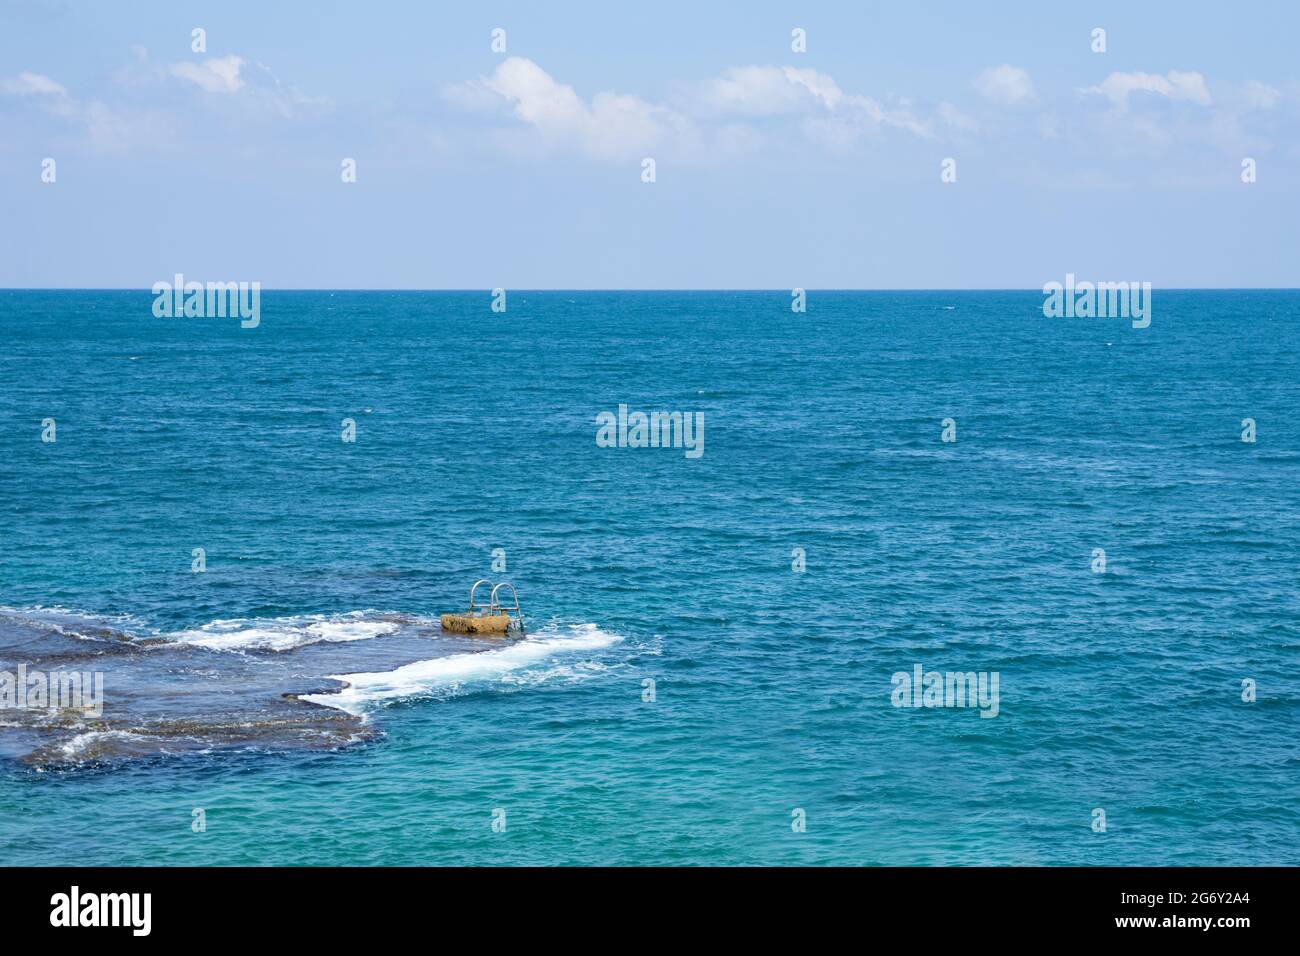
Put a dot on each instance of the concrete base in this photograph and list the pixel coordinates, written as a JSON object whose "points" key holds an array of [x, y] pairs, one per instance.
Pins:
{"points": [[475, 624]]}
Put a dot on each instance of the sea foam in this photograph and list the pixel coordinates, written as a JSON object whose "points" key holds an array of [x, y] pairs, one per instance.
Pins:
{"points": [[425, 677], [287, 633]]}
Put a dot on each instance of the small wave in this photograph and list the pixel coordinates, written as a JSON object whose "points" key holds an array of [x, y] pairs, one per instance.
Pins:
{"points": [[425, 677], [95, 744], [274, 634], [284, 634], [70, 622]]}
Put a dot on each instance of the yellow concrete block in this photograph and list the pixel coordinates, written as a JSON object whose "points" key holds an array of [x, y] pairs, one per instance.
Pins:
{"points": [[476, 624]]}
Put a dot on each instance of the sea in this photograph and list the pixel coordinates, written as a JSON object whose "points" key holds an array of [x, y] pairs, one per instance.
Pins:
{"points": [[749, 650]]}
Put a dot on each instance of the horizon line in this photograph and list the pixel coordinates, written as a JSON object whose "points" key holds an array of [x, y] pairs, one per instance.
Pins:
{"points": [[148, 291]]}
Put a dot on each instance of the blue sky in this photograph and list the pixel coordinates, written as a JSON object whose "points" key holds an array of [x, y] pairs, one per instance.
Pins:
{"points": [[774, 169]]}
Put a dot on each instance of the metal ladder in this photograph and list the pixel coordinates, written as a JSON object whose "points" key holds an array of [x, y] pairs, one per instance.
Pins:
{"points": [[494, 606]]}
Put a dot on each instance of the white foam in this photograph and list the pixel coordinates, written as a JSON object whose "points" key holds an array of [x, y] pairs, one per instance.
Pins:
{"points": [[65, 621], [73, 748], [283, 634], [426, 677]]}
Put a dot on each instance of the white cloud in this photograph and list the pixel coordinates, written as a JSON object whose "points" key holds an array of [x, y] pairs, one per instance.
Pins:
{"points": [[48, 96], [769, 90], [1176, 85], [31, 84], [1005, 84], [216, 75], [709, 118], [1261, 96], [612, 124], [106, 128], [252, 85], [535, 95], [955, 118], [282, 98], [758, 91], [120, 125]]}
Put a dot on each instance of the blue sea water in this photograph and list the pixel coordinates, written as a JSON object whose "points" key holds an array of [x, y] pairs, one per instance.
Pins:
{"points": [[1120, 691]]}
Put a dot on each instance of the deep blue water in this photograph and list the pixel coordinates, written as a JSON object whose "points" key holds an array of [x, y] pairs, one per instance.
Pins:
{"points": [[475, 430]]}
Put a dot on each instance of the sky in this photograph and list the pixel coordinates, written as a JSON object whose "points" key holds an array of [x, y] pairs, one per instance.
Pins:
{"points": [[524, 167]]}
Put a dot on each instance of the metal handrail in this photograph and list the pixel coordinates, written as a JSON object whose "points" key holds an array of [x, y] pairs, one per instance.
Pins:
{"points": [[487, 619], [496, 606], [475, 588]]}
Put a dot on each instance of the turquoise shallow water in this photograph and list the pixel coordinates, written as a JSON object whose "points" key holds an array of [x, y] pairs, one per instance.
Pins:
{"points": [[476, 431]]}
